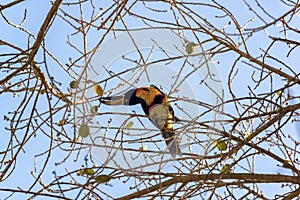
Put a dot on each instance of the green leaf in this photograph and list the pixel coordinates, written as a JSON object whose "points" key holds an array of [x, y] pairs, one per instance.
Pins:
{"points": [[102, 178], [129, 125], [226, 169], [84, 130], [221, 145], [98, 89], [74, 84], [94, 110], [190, 47], [86, 171]]}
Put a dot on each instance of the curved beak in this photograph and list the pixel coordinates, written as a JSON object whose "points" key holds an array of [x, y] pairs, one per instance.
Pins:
{"points": [[114, 100], [118, 100]]}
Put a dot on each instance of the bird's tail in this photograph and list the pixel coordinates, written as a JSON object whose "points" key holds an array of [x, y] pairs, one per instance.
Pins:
{"points": [[172, 142]]}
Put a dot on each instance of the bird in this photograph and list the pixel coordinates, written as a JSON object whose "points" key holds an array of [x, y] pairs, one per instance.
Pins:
{"points": [[156, 106]]}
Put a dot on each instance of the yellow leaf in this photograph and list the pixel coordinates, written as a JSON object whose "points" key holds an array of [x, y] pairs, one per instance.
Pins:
{"points": [[143, 148], [98, 89], [61, 122]]}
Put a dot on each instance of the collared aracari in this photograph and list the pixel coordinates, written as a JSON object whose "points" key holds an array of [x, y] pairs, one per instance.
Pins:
{"points": [[156, 106]]}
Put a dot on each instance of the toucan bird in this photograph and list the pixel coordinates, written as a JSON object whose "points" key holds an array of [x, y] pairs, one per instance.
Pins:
{"points": [[156, 106]]}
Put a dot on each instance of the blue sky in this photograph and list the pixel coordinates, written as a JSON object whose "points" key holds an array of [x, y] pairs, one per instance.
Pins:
{"points": [[56, 43]]}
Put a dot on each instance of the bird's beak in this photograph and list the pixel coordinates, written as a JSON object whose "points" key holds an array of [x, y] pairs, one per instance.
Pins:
{"points": [[114, 100], [118, 100]]}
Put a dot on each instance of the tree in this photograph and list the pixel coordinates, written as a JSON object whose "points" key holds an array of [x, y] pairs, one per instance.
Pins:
{"points": [[229, 69]]}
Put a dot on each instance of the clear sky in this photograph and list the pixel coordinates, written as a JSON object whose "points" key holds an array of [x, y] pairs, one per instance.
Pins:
{"points": [[56, 43]]}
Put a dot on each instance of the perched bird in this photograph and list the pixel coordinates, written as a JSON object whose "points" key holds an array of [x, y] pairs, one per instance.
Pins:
{"points": [[156, 106]]}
